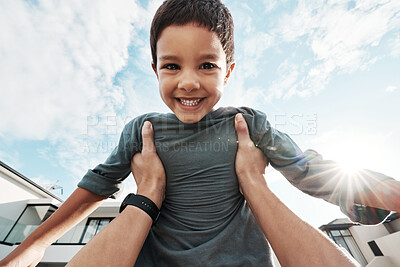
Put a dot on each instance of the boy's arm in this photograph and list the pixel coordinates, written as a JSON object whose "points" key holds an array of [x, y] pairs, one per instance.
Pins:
{"points": [[363, 196], [296, 244], [79, 205], [384, 195]]}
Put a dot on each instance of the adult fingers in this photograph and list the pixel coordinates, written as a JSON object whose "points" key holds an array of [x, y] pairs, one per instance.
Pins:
{"points": [[242, 131], [148, 138]]}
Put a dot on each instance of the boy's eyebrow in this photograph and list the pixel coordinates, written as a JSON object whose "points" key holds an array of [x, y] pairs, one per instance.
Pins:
{"points": [[209, 56], [168, 57], [203, 57]]}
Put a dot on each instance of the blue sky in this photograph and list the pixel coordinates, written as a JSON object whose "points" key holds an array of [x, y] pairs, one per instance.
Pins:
{"points": [[73, 72]]}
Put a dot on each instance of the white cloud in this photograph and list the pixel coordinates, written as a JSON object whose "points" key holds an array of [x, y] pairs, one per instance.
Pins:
{"points": [[245, 6], [254, 46], [11, 159], [288, 73], [339, 38], [251, 45], [391, 88], [270, 5], [238, 93], [58, 65], [394, 45]]}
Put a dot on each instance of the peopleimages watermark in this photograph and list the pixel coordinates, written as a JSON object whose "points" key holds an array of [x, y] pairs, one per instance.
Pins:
{"points": [[103, 132], [297, 123]]}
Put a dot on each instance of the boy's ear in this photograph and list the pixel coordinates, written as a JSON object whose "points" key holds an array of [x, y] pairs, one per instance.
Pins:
{"points": [[154, 68], [229, 72]]}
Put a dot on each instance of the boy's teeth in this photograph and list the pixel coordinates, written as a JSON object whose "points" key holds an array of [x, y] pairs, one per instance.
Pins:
{"points": [[191, 102]]}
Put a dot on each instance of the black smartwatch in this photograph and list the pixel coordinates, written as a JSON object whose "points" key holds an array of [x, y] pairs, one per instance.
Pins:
{"points": [[142, 203]]}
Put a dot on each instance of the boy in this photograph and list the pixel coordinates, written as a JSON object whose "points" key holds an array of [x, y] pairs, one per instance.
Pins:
{"points": [[204, 218]]}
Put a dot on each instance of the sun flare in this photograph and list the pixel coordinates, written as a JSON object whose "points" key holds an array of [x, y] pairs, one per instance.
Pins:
{"points": [[355, 152]]}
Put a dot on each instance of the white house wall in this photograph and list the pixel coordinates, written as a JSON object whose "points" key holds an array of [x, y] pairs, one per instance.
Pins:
{"points": [[364, 234], [13, 191], [60, 253], [53, 254], [381, 261], [389, 245]]}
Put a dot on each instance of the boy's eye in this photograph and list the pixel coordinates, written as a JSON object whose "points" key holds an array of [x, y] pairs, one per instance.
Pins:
{"points": [[171, 67], [207, 66]]}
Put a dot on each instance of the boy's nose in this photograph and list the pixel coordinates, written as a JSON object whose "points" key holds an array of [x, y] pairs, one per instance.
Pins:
{"points": [[189, 81]]}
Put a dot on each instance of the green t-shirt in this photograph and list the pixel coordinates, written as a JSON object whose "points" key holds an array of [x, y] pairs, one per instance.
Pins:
{"points": [[204, 219]]}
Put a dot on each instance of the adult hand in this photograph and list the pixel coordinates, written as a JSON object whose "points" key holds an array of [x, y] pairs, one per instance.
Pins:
{"points": [[147, 168], [250, 160]]}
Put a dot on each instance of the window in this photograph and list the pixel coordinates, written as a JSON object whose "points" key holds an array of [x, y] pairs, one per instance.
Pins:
{"points": [[344, 239], [35, 214], [73, 236], [30, 219], [93, 226], [375, 249]]}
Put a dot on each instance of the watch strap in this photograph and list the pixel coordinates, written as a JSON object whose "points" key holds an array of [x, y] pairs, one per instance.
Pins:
{"points": [[143, 203]]}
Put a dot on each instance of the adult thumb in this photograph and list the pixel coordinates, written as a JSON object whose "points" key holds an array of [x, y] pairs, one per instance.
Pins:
{"points": [[242, 130], [148, 137]]}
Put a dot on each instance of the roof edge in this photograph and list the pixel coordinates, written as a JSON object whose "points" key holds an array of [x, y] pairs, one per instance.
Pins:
{"points": [[26, 179]]}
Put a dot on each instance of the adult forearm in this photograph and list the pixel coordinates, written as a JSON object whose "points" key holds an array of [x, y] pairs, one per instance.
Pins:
{"points": [[119, 243], [295, 242]]}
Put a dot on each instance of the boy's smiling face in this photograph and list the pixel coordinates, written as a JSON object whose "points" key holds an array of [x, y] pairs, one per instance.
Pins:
{"points": [[191, 70]]}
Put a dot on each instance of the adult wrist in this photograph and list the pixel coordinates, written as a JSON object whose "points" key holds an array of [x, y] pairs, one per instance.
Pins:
{"points": [[37, 239], [154, 193], [250, 182]]}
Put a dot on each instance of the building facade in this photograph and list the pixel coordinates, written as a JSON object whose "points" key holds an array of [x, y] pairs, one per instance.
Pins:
{"points": [[372, 246], [24, 205]]}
